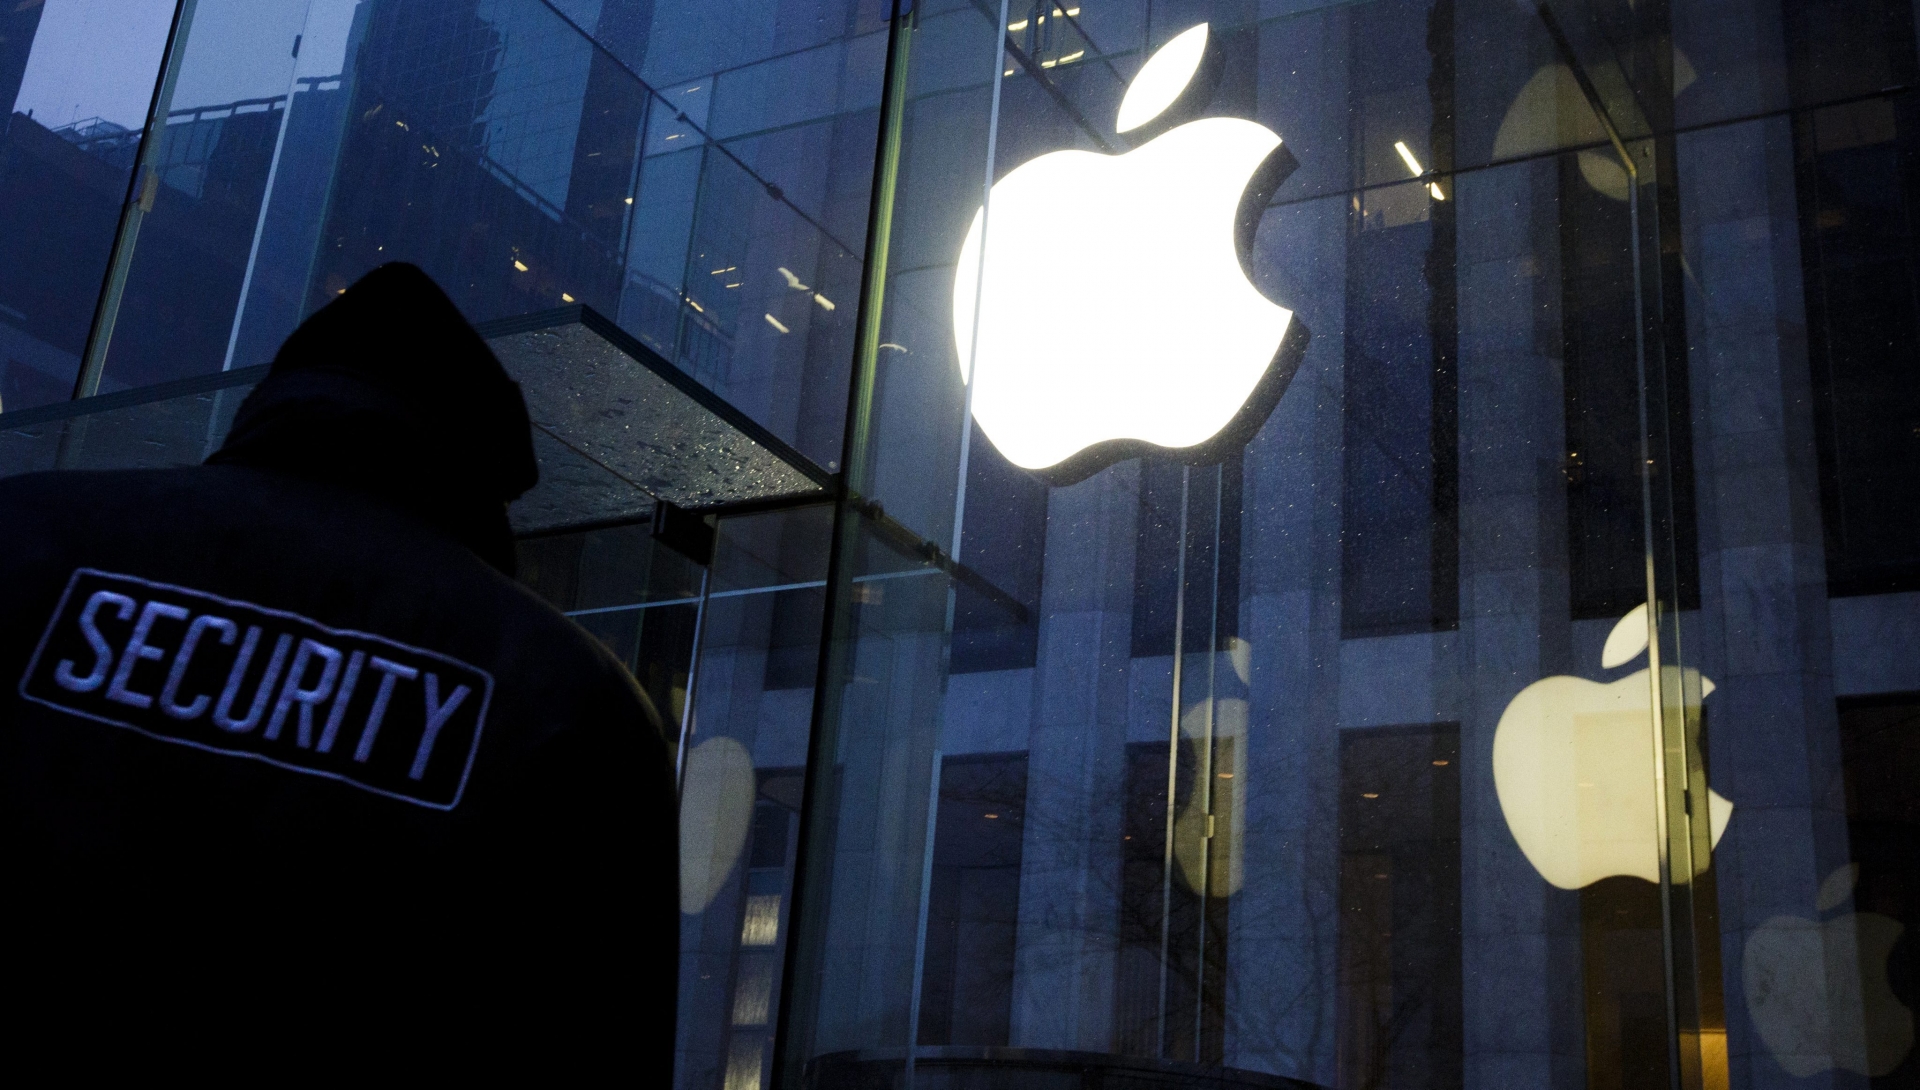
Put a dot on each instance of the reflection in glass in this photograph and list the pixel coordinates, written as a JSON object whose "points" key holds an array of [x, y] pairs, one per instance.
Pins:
{"points": [[1573, 761]]}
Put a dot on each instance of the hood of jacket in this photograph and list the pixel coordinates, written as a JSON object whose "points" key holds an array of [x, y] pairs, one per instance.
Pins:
{"points": [[388, 390]]}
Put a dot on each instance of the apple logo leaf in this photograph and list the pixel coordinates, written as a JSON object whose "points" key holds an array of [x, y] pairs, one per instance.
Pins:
{"points": [[1121, 320], [1627, 640], [1837, 887], [1162, 78]]}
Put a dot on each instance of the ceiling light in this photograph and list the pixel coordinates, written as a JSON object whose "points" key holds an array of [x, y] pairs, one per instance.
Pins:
{"points": [[775, 323], [518, 264], [824, 302], [1021, 25], [1406, 156], [565, 298]]}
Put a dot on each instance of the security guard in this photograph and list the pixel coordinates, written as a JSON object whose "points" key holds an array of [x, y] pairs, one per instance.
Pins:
{"points": [[291, 767]]}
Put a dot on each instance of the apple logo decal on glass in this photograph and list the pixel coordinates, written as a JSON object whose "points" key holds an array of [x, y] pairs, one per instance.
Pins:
{"points": [[1115, 315], [1573, 769]]}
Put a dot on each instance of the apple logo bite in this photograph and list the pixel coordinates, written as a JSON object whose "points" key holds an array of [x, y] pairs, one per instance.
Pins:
{"points": [[1573, 768], [1115, 316]]}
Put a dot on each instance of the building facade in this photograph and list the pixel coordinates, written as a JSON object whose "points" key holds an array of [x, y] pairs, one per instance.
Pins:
{"points": [[1518, 685]]}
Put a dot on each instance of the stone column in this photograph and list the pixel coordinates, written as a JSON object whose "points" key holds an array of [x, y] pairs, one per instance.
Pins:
{"points": [[889, 724], [1068, 927], [1520, 947], [1764, 637], [1283, 931]]}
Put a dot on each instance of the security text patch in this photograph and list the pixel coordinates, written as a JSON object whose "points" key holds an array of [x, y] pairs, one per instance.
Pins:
{"points": [[231, 677]]}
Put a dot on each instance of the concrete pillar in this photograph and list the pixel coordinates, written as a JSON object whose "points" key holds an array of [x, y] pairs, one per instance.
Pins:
{"points": [[889, 723], [1068, 927], [1763, 634], [1283, 931], [1520, 948]]}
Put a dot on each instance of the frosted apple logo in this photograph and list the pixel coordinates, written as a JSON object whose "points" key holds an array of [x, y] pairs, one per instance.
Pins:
{"points": [[1573, 767], [1819, 991], [1115, 312]]}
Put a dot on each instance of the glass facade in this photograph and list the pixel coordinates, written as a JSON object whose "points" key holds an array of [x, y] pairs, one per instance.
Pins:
{"points": [[1378, 549]]}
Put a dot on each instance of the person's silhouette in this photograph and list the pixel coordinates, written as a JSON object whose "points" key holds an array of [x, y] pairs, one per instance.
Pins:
{"points": [[286, 755]]}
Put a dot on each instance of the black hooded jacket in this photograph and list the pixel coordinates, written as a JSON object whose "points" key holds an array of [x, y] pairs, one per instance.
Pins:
{"points": [[287, 756]]}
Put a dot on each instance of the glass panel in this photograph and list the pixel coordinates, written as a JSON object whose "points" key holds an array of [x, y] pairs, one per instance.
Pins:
{"points": [[1796, 680], [511, 150], [76, 79], [754, 616], [1325, 738]]}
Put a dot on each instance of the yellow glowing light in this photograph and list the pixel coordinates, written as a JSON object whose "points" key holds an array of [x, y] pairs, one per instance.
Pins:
{"points": [[1371, 795], [735, 284], [629, 200], [518, 264], [1162, 78], [565, 298], [716, 809], [1074, 56], [775, 323], [825, 303], [761, 925], [695, 304], [1434, 188], [1021, 25], [1597, 737]]}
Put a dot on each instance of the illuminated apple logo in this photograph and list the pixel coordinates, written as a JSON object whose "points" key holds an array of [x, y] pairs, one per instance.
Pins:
{"points": [[1819, 992], [1573, 767], [1115, 315]]}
